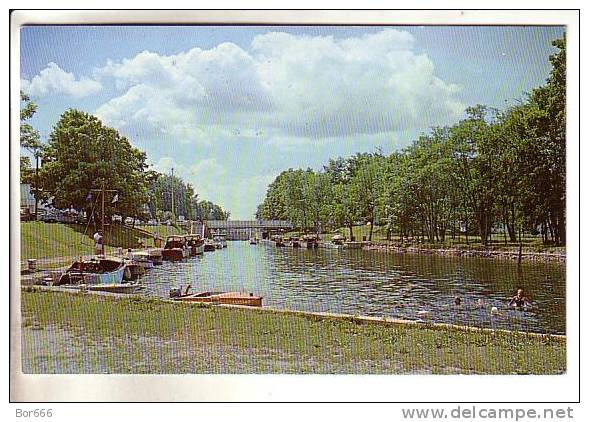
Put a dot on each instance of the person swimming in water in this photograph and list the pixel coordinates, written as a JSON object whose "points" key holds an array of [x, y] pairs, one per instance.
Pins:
{"points": [[519, 300]]}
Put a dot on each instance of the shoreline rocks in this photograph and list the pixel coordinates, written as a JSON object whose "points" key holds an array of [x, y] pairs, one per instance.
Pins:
{"points": [[453, 252]]}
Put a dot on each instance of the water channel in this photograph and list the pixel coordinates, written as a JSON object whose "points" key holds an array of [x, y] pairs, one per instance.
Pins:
{"points": [[377, 284]]}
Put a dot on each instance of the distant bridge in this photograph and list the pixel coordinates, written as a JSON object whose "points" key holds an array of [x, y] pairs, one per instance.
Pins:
{"points": [[243, 229]]}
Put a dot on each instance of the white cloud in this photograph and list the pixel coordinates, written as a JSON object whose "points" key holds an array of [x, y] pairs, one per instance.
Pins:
{"points": [[287, 85], [54, 80]]}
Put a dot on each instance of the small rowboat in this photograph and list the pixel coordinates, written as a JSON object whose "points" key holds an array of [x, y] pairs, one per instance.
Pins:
{"points": [[221, 298]]}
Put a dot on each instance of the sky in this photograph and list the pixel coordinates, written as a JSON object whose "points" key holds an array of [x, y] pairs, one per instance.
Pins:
{"points": [[230, 107]]}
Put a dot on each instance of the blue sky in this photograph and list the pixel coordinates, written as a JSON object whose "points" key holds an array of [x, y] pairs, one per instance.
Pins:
{"points": [[230, 107]]}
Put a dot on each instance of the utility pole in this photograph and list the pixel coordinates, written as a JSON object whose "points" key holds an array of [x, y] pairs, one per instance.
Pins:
{"points": [[36, 184], [102, 219], [173, 214]]}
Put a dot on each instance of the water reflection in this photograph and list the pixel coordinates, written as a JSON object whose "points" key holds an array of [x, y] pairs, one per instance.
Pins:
{"points": [[377, 284]]}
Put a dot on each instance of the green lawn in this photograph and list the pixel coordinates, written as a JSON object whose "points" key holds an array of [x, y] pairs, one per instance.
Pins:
{"points": [[51, 240], [497, 242], [81, 333], [162, 230]]}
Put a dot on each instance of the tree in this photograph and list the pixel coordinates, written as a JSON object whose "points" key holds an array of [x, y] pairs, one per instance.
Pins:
{"points": [[29, 140], [84, 155], [29, 137]]}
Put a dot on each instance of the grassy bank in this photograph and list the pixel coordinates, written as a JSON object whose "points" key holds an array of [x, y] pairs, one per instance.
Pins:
{"points": [[497, 241], [77, 333], [50, 240]]}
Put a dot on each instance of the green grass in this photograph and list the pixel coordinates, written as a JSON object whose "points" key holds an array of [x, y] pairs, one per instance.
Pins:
{"points": [[52, 240], [161, 230], [497, 241], [78, 333]]}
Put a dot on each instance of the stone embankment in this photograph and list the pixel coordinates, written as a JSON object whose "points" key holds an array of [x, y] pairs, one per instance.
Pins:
{"points": [[500, 254]]}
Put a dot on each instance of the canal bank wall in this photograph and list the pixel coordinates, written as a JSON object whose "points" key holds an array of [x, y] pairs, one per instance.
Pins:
{"points": [[452, 252]]}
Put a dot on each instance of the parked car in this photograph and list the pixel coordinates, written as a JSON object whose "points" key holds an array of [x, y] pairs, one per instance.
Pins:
{"points": [[50, 216], [26, 215]]}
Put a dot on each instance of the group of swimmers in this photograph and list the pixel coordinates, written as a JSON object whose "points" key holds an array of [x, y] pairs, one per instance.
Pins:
{"points": [[518, 301]]}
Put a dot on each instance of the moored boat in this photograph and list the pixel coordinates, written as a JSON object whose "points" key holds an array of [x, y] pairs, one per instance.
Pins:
{"points": [[132, 270], [141, 258], [353, 245], [220, 241], [123, 288], [310, 241], [97, 270], [195, 244], [337, 242], [175, 249], [209, 246], [277, 240], [156, 256]]}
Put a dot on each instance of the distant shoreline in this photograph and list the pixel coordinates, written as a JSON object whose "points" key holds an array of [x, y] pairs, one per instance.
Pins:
{"points": [[470, 253]]}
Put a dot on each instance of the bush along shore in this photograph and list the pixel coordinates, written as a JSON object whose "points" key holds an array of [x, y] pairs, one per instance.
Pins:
{"points": [[469, 252], [86, 333]]}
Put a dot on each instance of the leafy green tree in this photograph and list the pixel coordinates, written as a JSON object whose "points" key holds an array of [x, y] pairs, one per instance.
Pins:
{"points": [[84, 155], [210, 211], [29, 137]]}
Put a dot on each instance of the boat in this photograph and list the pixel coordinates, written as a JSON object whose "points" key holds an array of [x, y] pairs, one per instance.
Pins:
{"points": [[277, 240], [330, 245], [123, 288], [294, 242], [209, 246], [337, 242], [353, 245], [253, 241], [175, 249], [310, 241], [338, 239], [217, 298], [156, 256], [142, 258], [220, 241], [195, 244], [97, 270], [132, 270]]}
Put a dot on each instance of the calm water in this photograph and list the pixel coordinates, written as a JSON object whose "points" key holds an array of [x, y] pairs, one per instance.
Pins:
{"points": [[377, 284]]}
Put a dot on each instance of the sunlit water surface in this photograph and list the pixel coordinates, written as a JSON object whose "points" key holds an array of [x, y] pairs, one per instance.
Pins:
{"points": [[376, 284]]}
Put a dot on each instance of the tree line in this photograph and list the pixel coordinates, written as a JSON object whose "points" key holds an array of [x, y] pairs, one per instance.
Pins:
{"points": [[82, 156], [494, 169]]}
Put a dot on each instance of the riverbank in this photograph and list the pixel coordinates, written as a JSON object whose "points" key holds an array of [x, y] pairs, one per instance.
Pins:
{"points": [[82, 333], [60, 242], [470, 252]]}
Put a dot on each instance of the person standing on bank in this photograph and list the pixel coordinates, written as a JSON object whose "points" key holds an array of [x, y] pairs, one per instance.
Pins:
{"points": [[98, 243]]}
